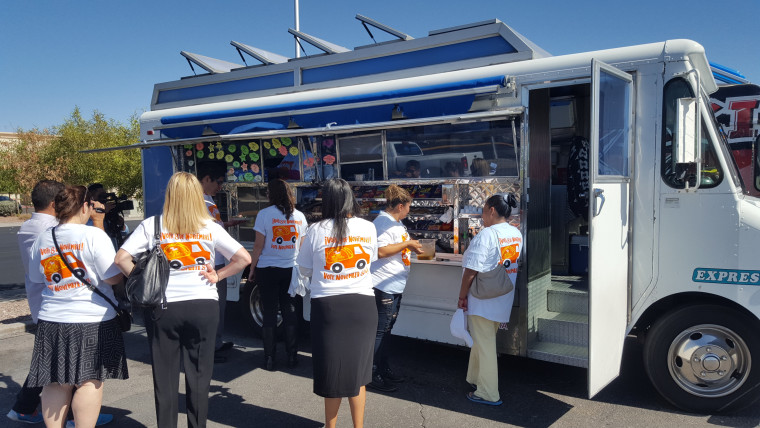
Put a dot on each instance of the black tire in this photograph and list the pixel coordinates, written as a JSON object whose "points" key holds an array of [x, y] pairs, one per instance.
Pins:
{"points": [[175, 264], [250, 303], [293, 239], [279, 240], [337, 267], [699, 358], [251, 299], [78, 272], [56, 277], [360, 264], [200, 261]]}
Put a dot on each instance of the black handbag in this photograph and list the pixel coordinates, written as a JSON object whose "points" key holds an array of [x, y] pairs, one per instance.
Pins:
{"points": [[123, 316], [146, 284]]}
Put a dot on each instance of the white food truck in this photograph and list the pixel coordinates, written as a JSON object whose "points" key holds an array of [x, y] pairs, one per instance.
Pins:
{"points": [[633, 212]]}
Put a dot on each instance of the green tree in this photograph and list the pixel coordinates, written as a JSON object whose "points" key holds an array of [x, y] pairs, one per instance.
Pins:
{"points": [[56, 155]]}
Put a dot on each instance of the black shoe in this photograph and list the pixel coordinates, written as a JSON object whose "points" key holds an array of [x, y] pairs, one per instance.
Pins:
{"points": [[269, 363], [390, 376], [379, 384], [292, 360], [226, 346]]}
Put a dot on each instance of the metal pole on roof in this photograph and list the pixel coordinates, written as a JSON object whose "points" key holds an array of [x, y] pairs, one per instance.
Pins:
{"points": [[298, 52]]}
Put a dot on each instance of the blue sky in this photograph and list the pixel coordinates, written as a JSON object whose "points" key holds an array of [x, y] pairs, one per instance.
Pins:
{"points": [[107, 55]]}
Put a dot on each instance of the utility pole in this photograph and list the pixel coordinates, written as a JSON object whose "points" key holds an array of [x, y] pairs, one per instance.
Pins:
{"points": [[298, 51]]}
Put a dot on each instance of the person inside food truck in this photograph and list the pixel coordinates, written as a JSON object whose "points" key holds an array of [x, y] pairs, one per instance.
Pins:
{"points": [[212, 175], [412, 170]]}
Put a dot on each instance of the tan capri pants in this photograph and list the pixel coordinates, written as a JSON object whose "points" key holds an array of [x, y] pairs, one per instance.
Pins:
{"points": [[482, 370]]}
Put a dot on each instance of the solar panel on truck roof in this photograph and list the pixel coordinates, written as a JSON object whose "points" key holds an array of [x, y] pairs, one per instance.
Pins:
{"points": [[212, 65]]}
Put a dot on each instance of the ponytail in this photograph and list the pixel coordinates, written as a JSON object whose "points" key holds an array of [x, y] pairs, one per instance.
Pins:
{"points": [[502, 203]]}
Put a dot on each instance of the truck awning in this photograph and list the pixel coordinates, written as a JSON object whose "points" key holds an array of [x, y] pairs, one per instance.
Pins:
{"points": [[435, 100], [323, 130]]}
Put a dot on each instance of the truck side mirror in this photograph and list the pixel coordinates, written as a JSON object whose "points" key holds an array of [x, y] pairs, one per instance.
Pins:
{"points": [[684, 136]]}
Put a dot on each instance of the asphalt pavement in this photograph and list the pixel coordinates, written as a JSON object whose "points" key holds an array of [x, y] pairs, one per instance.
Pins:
{"points": [[535, 393]]}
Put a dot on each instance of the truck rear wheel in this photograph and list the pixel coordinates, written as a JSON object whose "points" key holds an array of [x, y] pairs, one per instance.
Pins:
{"points": [[252, 299], [699, 358]]}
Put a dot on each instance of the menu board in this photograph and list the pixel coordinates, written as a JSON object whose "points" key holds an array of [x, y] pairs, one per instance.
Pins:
{"points": [[243, 159]]}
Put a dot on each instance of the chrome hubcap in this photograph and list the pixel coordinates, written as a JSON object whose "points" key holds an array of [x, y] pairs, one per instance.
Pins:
{"points": [[709, 360]]}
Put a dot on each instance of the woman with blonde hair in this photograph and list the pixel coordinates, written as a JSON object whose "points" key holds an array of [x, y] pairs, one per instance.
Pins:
{"points": [[78, 343], [192, 242]]}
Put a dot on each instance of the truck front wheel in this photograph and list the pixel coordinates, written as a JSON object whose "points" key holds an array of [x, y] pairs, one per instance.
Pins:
{"points": [[699, 358]]}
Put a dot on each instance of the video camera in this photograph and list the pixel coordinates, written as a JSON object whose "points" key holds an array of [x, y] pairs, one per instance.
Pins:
{"points": [[120, 203]]}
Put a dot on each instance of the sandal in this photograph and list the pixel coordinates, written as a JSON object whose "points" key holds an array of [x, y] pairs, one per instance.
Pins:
{"points": [[475, 399]]}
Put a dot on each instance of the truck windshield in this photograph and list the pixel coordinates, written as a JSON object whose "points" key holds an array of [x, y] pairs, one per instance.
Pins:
{"points": [[677, 175]]}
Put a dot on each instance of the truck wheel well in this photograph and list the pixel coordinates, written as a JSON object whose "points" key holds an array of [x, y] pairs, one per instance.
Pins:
{"points": [[672, 302]]}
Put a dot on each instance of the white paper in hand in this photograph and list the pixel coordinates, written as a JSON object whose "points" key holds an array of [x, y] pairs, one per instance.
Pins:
{"points": [[459, 327]]}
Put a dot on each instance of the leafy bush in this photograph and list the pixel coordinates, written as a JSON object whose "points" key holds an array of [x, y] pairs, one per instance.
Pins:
{"points": [[8, 208]]}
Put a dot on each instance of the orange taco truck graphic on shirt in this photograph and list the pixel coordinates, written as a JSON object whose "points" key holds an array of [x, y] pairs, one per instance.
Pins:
{"points": [[284, 233], [181, 254], [509, 254], [55, 269], [348, 256]]}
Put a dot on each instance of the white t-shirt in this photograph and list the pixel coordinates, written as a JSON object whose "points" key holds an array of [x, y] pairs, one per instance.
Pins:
{"points": [[389, 274], [281, 236], [27, 234], [339, 270], [213, 209], [500, 243], [66, 299], [187, 255]]}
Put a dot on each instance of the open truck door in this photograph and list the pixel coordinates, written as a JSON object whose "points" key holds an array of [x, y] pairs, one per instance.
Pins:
{"points": [[609, 221]]}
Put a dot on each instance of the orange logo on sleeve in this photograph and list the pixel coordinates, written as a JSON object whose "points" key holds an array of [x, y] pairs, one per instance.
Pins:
{"points": [[284, 233], [509, 254], [184, 254], [55, 269], [346, 257], [406, 253]]}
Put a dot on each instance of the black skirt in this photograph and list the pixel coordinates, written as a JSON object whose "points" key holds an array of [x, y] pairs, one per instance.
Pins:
{"points": [[71, 353], [343, 330]]}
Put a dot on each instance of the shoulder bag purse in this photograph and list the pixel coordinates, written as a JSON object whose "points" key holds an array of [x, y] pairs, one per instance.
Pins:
{"points": [[493, 283], [122, 315], [146, 284]]}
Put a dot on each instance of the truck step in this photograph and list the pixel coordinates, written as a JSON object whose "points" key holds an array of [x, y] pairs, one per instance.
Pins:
{"points": [[564, 328], [566, 300], [559, 353]]}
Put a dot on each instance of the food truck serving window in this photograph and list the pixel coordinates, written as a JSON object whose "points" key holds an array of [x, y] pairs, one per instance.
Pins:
{"points": [[478, 149]]}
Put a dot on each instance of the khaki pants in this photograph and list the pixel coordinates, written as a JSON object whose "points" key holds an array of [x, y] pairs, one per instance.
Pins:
{"points": [[483, 369]]}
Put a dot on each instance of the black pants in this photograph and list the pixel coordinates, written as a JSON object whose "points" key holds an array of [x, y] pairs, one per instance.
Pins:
{"points": [[27, 399], [273, 285], [388, 306], [221, 288], [185, 329]]}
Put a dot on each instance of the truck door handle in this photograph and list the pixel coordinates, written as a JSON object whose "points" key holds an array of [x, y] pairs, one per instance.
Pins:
{"points": [[598, 193]]}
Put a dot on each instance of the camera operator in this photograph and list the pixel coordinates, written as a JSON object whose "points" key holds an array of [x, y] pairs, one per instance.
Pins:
{"points": [[108, 214]]}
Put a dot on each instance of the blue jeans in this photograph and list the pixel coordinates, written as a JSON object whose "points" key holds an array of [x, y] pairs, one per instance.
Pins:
{"points": [[387, 311]]}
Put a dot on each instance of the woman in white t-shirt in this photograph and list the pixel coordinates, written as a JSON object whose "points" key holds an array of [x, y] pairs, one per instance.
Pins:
{"points": [[193, 243], [337, 253], [78, 343], [389, 276], [498, 243], [279, 231]]}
